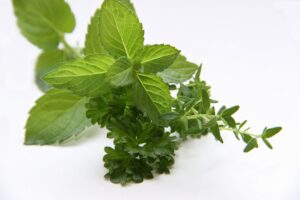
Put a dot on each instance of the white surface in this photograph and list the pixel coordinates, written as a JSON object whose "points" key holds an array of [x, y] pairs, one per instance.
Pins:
{"points": [[250, 50]]}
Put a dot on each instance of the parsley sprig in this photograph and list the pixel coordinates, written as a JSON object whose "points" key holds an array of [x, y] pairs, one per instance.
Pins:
{"points": [[118, 82]]}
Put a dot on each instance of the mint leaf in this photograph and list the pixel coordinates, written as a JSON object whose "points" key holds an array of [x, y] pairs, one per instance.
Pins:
{"points": [[43, 22], [93, 43], [156, 58], [180, 71], [152, 96], [121, 33], [84, 77], [120, 73], [216, 132], [57, 116], [47, 61]]}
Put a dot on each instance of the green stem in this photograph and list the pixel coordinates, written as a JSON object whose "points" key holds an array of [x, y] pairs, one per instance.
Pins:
{"points": [[68, 48], [240, 132]]}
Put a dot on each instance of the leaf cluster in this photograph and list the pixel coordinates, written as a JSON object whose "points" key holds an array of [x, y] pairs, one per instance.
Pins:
{"points": [[120, 83]]}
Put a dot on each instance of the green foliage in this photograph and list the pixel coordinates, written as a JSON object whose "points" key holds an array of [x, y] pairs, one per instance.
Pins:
{"points": [[123, 85], [181, 70], [57, 116], [120, 31], [43, 22], [47, 61], [156, 58], [83, 77]]}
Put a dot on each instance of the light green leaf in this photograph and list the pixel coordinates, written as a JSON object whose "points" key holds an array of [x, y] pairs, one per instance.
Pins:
{"points": [[152, 96], [120, 31], [47, 61], [93, 44], [156, 58], [84, 77], [57, 116], [43, 22], [120, 73], [180, 71], [128, 4]]}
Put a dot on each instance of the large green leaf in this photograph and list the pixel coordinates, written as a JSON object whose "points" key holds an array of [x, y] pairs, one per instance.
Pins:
{"points": [[156, 58], [84, 77], [180, 71], [93, 44], [57, 116], [120, 73], [121, 33], [152, 96], [43, 22], [47, 61]]}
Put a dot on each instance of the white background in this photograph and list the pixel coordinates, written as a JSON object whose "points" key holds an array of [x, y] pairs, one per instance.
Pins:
{"points": [[251, 55]]}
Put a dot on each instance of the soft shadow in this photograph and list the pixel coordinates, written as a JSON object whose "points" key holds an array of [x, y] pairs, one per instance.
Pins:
{"points": [[88, 134]]}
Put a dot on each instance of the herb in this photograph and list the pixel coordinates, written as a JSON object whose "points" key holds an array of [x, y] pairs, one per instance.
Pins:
{"points": [[120, 83]]}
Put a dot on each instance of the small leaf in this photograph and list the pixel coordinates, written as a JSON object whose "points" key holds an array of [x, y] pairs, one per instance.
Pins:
{"points": [[270, 132], [216, 132], [267, 143], [205, 101], [43, 22], [156, 58], [120, 73], [57, 116], [230, 121], [251, 145], [242, 124], [84, 77], [120, 31], [230, 111], [170, 116], [246, 138]]}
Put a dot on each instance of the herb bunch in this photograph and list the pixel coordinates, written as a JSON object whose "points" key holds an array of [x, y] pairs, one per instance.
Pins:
{"points": [[118, 82]]}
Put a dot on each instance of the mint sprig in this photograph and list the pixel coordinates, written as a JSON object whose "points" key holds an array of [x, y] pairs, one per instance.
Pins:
{"points": [[120, 83]]}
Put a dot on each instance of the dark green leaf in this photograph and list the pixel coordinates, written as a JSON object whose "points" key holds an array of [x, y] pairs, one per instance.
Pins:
{"points": [[267, 143], [216, 132], [230, 111], [205, 101], [251, 145], [270, 132]]}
